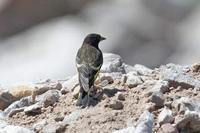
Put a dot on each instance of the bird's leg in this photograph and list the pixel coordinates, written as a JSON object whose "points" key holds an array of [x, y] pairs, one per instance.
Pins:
{"points": [[88, 99], [79, 101]]}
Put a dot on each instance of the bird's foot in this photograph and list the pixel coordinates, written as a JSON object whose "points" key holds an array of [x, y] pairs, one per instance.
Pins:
{"points": [[86, 101], [79, 102]]}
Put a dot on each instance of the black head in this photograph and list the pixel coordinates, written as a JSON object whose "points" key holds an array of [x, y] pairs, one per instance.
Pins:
{"points": [[93, 39]]}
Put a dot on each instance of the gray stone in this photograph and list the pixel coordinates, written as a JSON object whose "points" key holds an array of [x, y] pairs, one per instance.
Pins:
{"points": [[15, 129], [190, 123], [50, 85], [142, 70], [128, 68], [15, 111], [39, 125], [177, 76], [145, 123], [116, 105], [49, 98], [70, 119], [71, 83], [167, 128], [114, 76], [107, 78], [27, 101], [165, 116], [5, 99], [126, 130], [54, 128], [161, 86], [112, 63], [59, 118], [133, 80], [2, 114], [150, 107], [186, 104], [157, 98], [3, 122], [189, 120], [120, 96], [33, 109], [41, 88]]}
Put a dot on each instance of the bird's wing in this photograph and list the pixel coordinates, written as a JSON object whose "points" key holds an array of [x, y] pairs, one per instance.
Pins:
{"points": [[86, 76], [88, 69]]}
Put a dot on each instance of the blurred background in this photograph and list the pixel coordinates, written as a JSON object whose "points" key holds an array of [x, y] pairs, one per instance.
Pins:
{"points": [[39, 38]]}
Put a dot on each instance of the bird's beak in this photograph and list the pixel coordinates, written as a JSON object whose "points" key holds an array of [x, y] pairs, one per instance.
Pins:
{"points": [[102, 38]]}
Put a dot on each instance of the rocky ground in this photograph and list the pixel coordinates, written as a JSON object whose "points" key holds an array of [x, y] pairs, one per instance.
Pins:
{"points": [[125, 99]]}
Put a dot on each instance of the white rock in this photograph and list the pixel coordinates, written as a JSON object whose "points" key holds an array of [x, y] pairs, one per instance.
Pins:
{"points": [[71, 83], [128, 68], [39, 125], [71, 118], [189, 122], [165, 116], [3, 122], [133, 80], [186, 104], [177, 74], [49, 98], [27, 101], [142, 70], [167, 128], [126, 130], [112, 63], [15, 129], [161, 86], [145, 123], [190, 118], [33, 109], [41, 88], [58, 127]]}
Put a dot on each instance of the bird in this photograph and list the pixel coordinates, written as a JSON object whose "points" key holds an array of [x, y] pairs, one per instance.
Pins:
{"points": [[89, 60]]}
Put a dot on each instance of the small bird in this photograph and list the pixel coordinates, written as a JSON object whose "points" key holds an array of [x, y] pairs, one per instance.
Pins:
{"points": [[89, 60]]}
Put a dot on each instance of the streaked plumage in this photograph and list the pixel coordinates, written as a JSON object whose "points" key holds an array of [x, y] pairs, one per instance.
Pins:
{"points": [[89, 60]]}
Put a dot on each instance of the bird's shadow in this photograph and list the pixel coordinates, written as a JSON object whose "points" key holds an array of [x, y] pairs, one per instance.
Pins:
{"points": [[98, 96]]}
